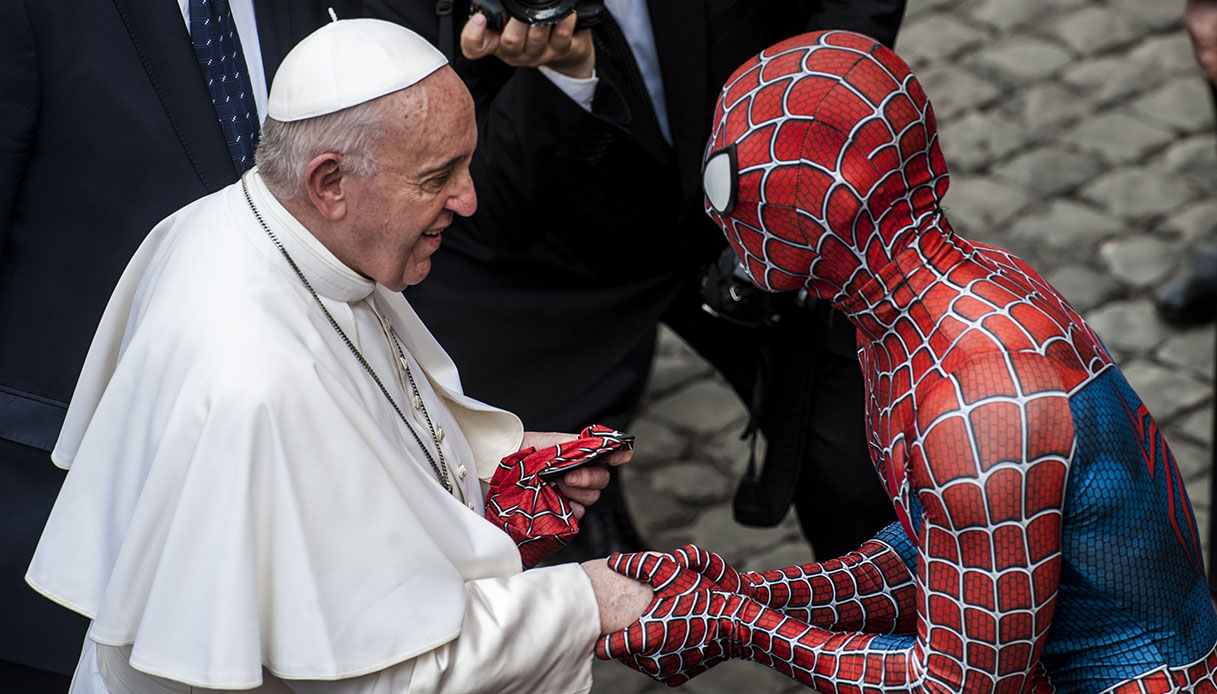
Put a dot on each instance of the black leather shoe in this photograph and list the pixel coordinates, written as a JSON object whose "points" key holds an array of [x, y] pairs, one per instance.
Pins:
{"points": [[1193, 299]]}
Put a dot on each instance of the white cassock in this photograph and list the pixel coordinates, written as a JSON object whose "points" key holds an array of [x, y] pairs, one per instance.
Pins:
{"points": [[244, 506]]}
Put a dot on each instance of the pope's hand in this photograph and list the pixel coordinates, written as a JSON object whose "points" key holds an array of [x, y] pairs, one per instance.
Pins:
{"points": [[620, 600], [557, 46], [581, 487]]}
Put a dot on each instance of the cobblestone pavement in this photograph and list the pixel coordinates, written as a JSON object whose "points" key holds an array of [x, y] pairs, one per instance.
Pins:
{"points": [[1080, 136]]}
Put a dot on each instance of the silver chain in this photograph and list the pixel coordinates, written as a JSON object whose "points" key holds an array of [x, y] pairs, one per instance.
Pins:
{"points": [[441, 471]]}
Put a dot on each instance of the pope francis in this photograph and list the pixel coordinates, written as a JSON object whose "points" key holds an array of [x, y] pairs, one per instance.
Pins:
{"points": [[274, 478]]}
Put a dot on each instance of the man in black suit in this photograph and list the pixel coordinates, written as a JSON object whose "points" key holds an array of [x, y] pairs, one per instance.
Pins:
{"points": [[590, 231], [107, 126]]}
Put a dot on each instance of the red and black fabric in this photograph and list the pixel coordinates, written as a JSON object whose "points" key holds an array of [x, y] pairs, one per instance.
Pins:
{"points": [[870, 589], [533, 512], [692, 625], [1015, 453]]}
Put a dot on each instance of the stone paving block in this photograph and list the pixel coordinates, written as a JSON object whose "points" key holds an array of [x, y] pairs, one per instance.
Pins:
{"points": [[977, 140], [1196, 223], [1195, 159], [1117, 137], [981, 203], [1155, 16], [1200, 492], [1083, 287], [655, 513], [1103, 81], [1165, 393], [1184, 103], [716, 529], [1050, 170], [1021, 58], [611, 677], [1190, 350], [1064, 225], [1002, 15], [1044, 108], [705, 407], [1096, 29], [694, 484], [1139, 192], [1164, 56], [1196, 426], [674, 365], [738, 676], [934, 38], [1129, 326], [654, 443], [1193, 461], [1138, 261], [953, 88]]}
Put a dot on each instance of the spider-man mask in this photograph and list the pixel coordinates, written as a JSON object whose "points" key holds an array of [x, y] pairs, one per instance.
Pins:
{"points": [[823, 162]]}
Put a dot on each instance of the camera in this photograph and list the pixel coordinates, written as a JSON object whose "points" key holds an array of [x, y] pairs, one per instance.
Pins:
{"points": [[538, 11], [727, 293]]}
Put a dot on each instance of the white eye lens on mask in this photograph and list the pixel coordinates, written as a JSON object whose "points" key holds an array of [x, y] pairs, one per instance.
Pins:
{"points": [[719, 179]]}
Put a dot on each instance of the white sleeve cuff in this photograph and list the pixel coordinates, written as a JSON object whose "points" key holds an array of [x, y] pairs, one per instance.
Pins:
{"points": [[579, 89], [531, 632]]}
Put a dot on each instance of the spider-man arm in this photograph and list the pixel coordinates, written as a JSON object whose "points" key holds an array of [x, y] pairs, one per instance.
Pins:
{"points": [[988, 467], [870, 589]]}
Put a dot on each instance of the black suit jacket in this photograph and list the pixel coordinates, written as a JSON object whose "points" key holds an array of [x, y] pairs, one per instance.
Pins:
{"points": [[106, 128], [586, 230]]}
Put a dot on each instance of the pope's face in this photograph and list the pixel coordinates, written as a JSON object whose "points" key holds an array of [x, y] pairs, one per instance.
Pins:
{"points": [[422, 180]]}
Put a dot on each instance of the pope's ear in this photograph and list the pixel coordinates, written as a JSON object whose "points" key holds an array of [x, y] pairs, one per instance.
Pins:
{"points": [[324, 179]]}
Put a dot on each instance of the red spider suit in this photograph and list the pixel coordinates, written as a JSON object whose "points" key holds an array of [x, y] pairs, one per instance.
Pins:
{"points": [[1045, 540]]}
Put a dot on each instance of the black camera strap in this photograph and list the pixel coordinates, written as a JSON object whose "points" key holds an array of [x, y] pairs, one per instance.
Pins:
{"points": [[447, 43], [783, 403]]}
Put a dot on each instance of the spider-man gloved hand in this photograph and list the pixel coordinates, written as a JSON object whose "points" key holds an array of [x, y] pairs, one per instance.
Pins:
{"points": [[532, 510], [648, 646], [787, 590], [693, 624]]}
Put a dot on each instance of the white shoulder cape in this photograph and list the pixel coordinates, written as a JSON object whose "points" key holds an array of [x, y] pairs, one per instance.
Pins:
{"points": [[233, 499]]}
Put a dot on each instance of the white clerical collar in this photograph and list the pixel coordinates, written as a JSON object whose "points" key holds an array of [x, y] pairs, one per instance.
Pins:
{"points": [[328, 275]]}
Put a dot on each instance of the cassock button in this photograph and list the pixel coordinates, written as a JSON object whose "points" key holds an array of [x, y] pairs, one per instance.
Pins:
{"points": [[469, 504], [461, 472]]}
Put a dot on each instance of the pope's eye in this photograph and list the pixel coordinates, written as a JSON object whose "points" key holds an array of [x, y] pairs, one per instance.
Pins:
{"points": [[719, 178]]}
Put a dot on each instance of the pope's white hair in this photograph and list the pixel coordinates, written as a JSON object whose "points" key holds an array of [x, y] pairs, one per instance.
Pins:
{"points": [[286, 148]]}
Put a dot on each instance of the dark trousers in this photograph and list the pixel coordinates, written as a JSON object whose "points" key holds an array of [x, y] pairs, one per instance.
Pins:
{"points": [[39, 640]]}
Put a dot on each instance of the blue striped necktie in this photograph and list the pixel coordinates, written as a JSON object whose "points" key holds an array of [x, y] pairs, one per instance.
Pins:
{"points": [[218, 49]]}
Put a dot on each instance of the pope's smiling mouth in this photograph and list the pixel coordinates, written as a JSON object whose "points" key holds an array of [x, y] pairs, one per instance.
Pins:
{"points": [[433, 232]]}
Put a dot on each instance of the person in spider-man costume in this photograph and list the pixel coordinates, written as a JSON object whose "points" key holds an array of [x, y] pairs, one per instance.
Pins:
{"points": [[1045, 541]]}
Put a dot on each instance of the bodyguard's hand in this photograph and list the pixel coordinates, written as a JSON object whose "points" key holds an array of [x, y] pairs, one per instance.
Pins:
{"points": [[557, 46], [1200, 16]]}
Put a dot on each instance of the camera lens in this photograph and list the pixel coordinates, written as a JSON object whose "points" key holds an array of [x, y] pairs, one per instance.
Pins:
{"points": [[540, 11]]}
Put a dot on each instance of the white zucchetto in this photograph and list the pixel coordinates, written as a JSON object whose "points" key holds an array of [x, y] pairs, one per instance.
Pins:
{"points": [[346, 63]]}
